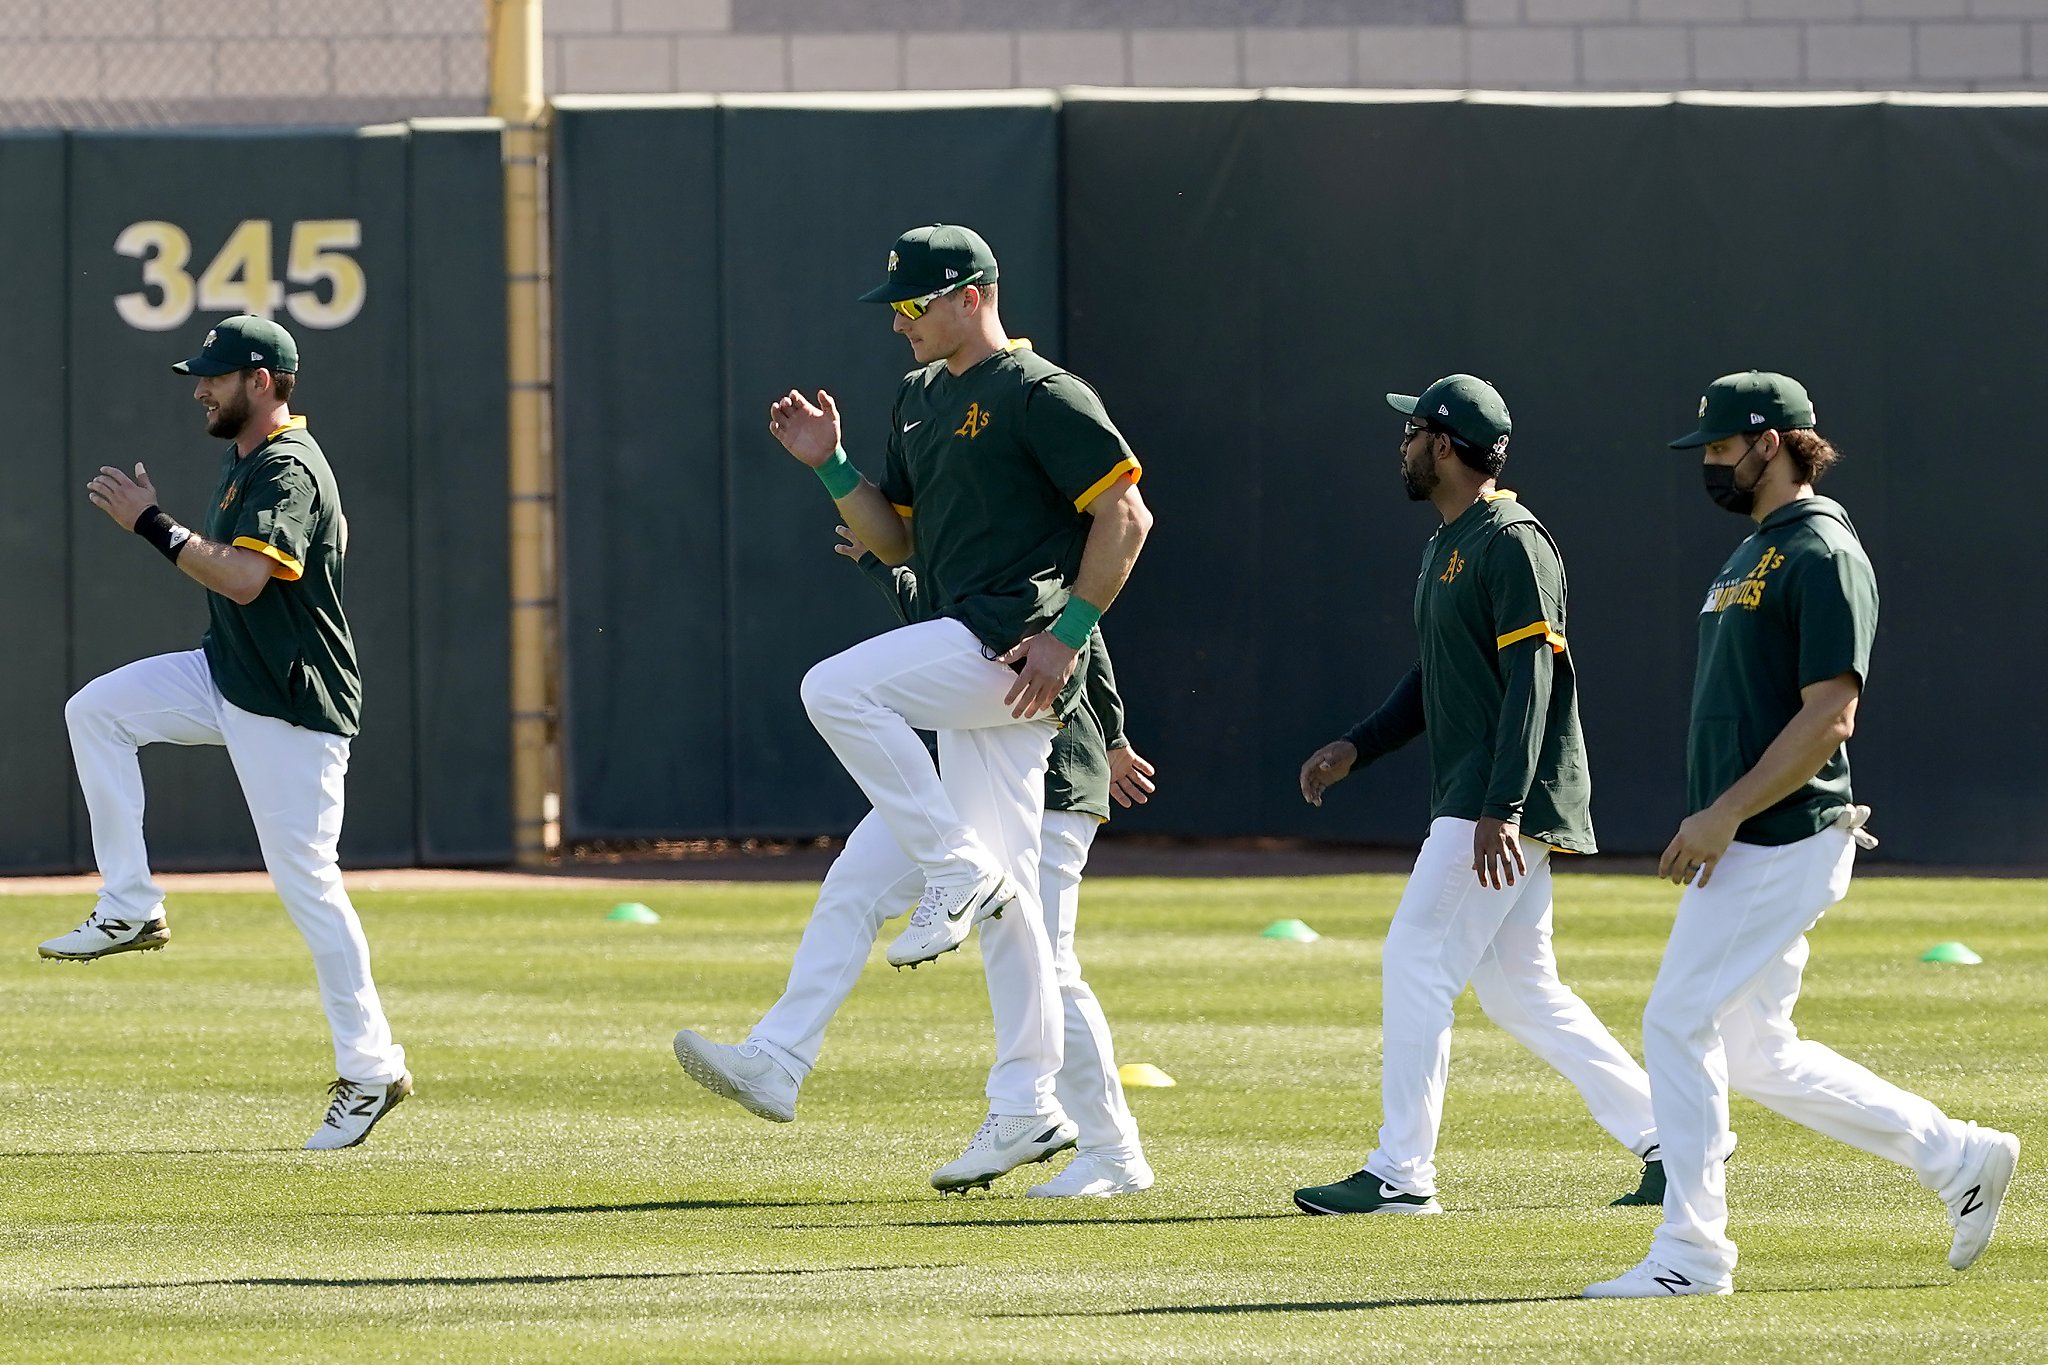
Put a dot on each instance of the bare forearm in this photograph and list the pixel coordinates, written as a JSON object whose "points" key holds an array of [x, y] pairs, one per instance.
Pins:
{"points": [[235, 573], [1115, 537], [1808, 740], [872, 518]]}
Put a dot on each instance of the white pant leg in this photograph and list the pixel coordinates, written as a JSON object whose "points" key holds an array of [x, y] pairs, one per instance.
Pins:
{"points": [[168, 699], [293, 779], [1087, 1086], [869, 701], [1518, 987], [1729, 938], [996, 779], [1441, 930], [870, 881], [1814, 1085]]}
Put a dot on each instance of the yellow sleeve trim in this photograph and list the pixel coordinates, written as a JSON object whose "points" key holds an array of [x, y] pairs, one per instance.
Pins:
{"points": [[288, 569], [901, 510], [1128, 465], [1541, 628]]}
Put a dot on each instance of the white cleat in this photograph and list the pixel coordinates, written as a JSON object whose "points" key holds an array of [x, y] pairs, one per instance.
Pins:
{"points": [[1096, 1175], [1651, 1281], [743, 1074], [946, 915], [104, 935], [1974, 1212], [1002, 1144], [354, 1111]]}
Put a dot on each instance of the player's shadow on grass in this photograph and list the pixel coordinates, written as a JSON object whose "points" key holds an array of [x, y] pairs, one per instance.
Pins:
{"points": [[649, 1206], [483, 1281], [1088, 1220], [1370, 1305]]}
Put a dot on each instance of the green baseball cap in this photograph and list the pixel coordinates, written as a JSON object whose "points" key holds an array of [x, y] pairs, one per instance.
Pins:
{"points": [[928, 259], [244, 342], [1467, 407], [1738, 404]]}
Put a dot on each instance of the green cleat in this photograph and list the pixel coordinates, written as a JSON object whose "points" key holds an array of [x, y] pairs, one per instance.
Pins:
{"points": [[1650, 1191], [1363, 1193]]}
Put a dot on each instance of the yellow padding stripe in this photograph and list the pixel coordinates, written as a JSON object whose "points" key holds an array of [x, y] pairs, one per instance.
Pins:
{"points": [[901, 510], [1540, 628], [1128, 465], [288, 569]]}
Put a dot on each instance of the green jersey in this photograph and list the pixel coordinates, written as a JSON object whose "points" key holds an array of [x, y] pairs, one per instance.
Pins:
{"points": [[1494, 688], [1796, 604], [992, 467], [1077, 775], [288, 653]]}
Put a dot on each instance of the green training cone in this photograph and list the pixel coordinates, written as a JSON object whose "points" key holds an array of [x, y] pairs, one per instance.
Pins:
{"points": [[1293, 930], [632, 912], [1144, 1074], [1951, 952]]}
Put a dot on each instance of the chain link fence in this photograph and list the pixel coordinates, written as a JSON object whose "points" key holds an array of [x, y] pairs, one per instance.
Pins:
{"points": [[168, 63]]}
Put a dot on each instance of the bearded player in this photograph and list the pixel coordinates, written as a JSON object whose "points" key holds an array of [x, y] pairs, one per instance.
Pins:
{"points": [[274, 681]]}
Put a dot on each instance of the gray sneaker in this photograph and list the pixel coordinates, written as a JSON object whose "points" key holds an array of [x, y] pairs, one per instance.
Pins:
{"points": [[104, 935], [743, 1074]]}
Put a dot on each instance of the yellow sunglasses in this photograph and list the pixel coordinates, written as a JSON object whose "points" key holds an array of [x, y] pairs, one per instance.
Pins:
{"points": [[915, 308]]}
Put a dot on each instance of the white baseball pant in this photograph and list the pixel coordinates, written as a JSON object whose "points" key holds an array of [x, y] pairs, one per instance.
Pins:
{"points": [[985, 814], [293, 781], [872, 881], [1720, 1017], [1451, 928]]}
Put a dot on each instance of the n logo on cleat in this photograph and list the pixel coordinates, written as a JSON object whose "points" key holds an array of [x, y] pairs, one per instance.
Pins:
{"points": [[1671, 1282], [1971, 1203]]}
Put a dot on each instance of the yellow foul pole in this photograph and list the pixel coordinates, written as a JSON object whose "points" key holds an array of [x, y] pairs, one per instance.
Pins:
{"points": [[518, 98]]}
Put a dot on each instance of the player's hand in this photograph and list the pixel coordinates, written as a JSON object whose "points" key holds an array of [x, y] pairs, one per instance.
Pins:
{"points": [[120, 497], [808, 431], [1047, 666], [852, 546], [1326, 767], [1497, 852], [1130, 777], [1701, 840]]}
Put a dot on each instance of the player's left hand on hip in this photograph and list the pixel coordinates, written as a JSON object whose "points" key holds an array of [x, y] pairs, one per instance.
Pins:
{"points": [[122, 498], [1130, 777], [1497, 853], [1697, 847], [1047, 666]]}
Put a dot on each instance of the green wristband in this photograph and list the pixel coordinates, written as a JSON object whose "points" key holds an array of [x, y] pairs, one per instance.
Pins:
{"points": [[1076, 619], [838, 474]]}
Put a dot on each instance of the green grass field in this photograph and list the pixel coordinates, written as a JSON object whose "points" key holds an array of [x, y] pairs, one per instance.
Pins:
{"points": [[557, 1190]]}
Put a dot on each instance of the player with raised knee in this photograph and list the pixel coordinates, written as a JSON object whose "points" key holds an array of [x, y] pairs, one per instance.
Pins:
{"points": [[1494, 692], [1786, 632], [873, 880], [1006, 479], [274, 681]]}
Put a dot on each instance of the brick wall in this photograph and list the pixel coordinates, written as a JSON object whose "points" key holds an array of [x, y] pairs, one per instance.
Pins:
{"points": [[161, 60]]}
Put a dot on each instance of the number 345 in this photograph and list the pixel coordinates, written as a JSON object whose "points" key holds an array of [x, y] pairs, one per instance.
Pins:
{"points": [[241, 278]]}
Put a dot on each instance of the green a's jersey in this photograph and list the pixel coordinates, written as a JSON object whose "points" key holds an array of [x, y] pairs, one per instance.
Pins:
{"points": [[1499, 700], [992, 467], [288, 653], [1796, 604], [1077, 774]]}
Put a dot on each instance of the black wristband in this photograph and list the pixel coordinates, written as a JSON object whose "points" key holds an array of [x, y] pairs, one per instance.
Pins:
{"points": [[156, 527]]}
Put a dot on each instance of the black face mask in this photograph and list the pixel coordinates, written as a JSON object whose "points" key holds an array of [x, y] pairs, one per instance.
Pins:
{"points": [[1724, 489]]}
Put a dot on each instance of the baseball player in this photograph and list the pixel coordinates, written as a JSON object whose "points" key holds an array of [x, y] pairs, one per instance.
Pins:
{"points": [[1495, 693], [274, 681], [1019, 497], [873, 880], [1785, 637]]}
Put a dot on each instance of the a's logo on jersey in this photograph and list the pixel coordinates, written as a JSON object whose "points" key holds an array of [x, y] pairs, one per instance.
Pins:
{"points": [[975, 423], [1747, 591], [1452, 569], [229, 496]]}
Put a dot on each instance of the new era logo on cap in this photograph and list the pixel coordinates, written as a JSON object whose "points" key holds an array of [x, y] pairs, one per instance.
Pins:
{"points": [[1443, 410], [1758, 418], [951, 273]]}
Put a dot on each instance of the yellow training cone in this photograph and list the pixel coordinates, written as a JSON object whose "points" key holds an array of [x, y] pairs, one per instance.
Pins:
{"points": [[1144, 1074]]}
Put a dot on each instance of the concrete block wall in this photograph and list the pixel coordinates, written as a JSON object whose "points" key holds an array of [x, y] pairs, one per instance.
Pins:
{"points": [[130, 61]]}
